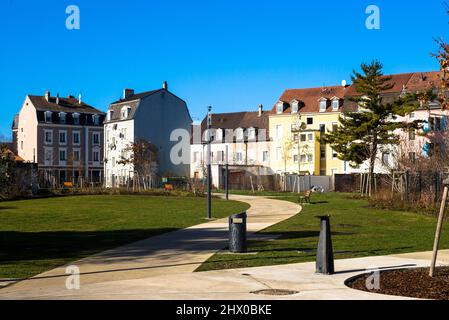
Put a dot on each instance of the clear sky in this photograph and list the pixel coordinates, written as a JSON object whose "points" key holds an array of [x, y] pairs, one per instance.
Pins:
{"points": [[231, 54]]}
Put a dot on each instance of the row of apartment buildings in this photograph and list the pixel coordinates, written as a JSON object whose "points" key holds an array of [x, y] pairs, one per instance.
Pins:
{"points": [[71, 140], [294, 125]]}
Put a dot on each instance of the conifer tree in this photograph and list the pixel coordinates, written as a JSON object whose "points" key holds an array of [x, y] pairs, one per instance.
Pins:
{"points": [[361, 133]]}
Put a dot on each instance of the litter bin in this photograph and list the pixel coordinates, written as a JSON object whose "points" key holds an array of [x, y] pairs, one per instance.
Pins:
{"points": [[325, 253], [237, 233]]}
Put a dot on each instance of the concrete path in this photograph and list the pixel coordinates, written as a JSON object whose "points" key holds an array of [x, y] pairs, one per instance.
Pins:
{"points": [[238, 284], [176, 252]]}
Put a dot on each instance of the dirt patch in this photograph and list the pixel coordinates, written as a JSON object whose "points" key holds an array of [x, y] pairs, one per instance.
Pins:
{"points": [[414, 283]]}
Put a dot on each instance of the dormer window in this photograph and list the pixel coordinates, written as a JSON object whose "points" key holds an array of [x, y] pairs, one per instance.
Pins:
{"points": [[96, 119], [335, 104], [323, 105], [252, 134], [280, 107], [48, 116], [76, 118], [239, 134], [295, 106], [110, 114], [62, 117], [219, 135], [126, 110]]}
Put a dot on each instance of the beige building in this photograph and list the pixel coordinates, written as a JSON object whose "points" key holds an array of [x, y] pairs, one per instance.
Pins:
{"points": [[64, 136]]}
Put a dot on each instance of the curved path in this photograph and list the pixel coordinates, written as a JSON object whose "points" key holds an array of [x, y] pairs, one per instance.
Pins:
{"points": [[178, 252]]}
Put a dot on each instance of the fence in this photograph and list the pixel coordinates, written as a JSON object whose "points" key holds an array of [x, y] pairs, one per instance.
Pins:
{"points": [[295, 183]]}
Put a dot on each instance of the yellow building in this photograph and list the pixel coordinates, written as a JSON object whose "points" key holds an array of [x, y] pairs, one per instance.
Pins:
{"points": [[299, 119]]}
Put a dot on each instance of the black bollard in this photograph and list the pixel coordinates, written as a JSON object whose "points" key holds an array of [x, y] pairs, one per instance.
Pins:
{"points": [[325, 253], [237, 233]]}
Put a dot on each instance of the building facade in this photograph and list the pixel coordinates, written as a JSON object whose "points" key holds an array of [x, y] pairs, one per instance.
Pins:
{"points": [[64, 136], [150, 116]]}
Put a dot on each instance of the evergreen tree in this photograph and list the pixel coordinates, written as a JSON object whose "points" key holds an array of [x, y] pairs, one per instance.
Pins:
{"points": [[362, 132]]}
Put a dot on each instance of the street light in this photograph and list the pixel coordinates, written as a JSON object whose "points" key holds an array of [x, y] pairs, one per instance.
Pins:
{"points": [[300, 126], [209, 169]]}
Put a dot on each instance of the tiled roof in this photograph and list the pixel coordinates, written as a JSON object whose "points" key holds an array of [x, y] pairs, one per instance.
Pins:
{"points": [[308, 98], [137, 96], [69, 105]]}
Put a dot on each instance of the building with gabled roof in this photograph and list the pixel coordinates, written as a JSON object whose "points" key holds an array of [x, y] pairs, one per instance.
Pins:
{"points": [[151, 116], [64, 136]]}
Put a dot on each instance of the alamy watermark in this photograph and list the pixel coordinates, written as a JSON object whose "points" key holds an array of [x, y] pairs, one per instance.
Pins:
{"points": [[372, 22], [373, 279], [73, 280], [73, 20]]}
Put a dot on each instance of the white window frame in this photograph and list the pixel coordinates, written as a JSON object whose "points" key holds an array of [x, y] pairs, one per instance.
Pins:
{"points": [[48, 150], [48, 116], [252, 133], [76, 118], [239, 134], [279, 131], [62, 162], [62, 117], [280, 108], [335, 104], [295, 106], [93, 138], [79, 138], [323, 102], [96, 119], [45, 136], [94, 152], [239, 156], [62, 143], [78, 150], [265, 156]]}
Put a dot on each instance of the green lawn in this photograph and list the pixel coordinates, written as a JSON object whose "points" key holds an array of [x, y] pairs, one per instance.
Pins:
{"points": [[357, 230], [38, 235]]}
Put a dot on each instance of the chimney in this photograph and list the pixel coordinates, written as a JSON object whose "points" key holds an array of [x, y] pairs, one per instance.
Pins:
{"points": [[260, 110], [57, 98], [79, 99], [128, 93], [165, 85], [47, 96]]}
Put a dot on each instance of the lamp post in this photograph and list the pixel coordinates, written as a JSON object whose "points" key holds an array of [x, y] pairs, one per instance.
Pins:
{"points": [[227, 173], [208, 160], [300, 126]]}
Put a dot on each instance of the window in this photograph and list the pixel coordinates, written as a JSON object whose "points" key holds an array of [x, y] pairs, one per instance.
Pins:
{"points": [[196, 156], [294, 106], [219, 135], [76, 155], [310, 158], [252, 134], [279, 131], [280, 107], [62, 137], [62, 155], [411, 135], [323, 105], [334, 127], [295, 158], [48, 136], [48, 156], [323, 153], [239, 156], [21, 145], [437, 124], [76, 118], [322, 129], [110, 115], [96, 119], [310, 137], [62, 117], [335, 104], [96, 156], [265, 156], [76, 137], [95, 138], [303, 158], [239, 134], [385, 158], [412, 157], [278, 153], [126, 110], [295, 137], [220, 156], [309, 121], [48, 116], [303, 138], [334, 154]]}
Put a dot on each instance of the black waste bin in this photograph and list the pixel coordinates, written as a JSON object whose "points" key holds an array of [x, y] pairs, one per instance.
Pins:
{"points": [[237, 233], [325, 253]]}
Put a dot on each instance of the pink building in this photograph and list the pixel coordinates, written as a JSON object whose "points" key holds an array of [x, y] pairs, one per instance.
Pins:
{"points": [[64, 136]]}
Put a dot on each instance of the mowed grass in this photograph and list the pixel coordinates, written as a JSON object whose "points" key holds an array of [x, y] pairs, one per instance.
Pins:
{"points": [[357, 231], [38, 235]]}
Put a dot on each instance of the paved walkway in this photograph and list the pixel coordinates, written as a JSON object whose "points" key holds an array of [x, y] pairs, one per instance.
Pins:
{"points": [[176, 252]]}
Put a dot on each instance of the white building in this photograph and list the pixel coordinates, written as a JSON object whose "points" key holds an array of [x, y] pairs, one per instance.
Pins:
{"points": [[150, 116]]}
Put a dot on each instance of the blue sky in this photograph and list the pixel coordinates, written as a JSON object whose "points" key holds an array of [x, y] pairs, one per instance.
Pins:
{"points": [[231, 54]]}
